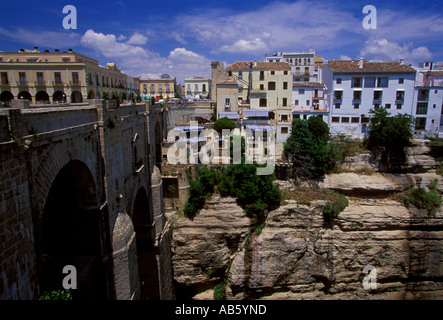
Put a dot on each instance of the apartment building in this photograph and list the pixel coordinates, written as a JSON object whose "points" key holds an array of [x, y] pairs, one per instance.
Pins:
{"points": [[43, 77], [308, 99], [428, 100], [354, 87], [265, 86], [197, 88], [303, 64], [158, 86]]}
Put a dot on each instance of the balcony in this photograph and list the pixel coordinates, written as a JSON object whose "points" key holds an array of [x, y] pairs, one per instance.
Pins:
{"points": [[57, 83], [22, 83], [75, 83]]}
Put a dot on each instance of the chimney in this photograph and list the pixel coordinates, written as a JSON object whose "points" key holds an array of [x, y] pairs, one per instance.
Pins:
{"points": [[56, 50], [360, 63], [70, 50], [255, 62], [402, 61]]}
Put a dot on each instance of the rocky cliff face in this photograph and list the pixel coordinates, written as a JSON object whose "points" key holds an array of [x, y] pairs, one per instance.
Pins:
{"points": [[296, 255]]}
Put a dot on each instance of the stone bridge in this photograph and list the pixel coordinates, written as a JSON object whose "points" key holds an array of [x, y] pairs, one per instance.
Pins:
{"points": [[79, 185]]}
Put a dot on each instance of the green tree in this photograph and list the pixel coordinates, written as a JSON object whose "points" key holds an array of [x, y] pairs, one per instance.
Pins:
{"points": [[105, 95], [223, 123], [389, 138]]}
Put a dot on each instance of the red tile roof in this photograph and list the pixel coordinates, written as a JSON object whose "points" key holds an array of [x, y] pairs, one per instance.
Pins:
{"points": [[352, 66], [244, 65]]}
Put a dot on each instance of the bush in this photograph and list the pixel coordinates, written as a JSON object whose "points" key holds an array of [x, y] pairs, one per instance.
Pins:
{"points": [[421, 199], [56, 295], [223, 123]]}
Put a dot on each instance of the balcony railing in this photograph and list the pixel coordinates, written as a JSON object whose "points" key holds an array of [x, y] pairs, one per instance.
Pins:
{"points": [[75, 83], [57, 83]]}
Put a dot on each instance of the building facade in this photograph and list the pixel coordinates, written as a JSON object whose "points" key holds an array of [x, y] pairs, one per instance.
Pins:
{"points": [[197, 88], [46, 77], [303, 64], [162, 86], [354, 87]]}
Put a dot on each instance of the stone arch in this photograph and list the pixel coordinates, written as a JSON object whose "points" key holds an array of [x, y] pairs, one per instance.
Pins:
{"points": [[71, 233], [76, 97], [41, 96], [148, 270], [24, 95], [6, 96], [59, 96]]}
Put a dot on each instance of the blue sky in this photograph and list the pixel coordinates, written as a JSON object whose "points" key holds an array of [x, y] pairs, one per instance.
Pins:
{"points": [[183, 37]]}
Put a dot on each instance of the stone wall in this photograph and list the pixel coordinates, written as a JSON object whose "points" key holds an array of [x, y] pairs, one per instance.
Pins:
{"points": [[112, 147]]}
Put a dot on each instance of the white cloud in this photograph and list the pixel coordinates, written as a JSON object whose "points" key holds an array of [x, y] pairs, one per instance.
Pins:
{"points": [[135, 60], [137, 38], [345, 57], [384, 50], [51, 39], [248, 46]]}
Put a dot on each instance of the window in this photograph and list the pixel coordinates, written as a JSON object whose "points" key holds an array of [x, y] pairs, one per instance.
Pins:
{"points": [[32, 60], [168, 87], [337, 105], [345, 119], [296, 102], [378, 95], [420, 123], [401, 80], [66, 59], [400, 95], [284, 130], [271, 85], [58, 78], [356, 105], [284, 117], [338, 80], [40, 78], [356, 82], [338, 95], [240, 74], [196, 87], [388, 106], [22, 76], [285, 102], [153, 87], [228, 102], [307, 102], [423, 94], [75, 77], [272, 72], [145, 88], [422, 108], [355, 120], [262, 102], [301, 91], [382, 82], [285, 85], [335, 119], [370, 82], [160, 87], [285, 72], [5, 78], [204, 88], [357, 95], [376, 106], [262, 75], [262, 87], [398, 106]]}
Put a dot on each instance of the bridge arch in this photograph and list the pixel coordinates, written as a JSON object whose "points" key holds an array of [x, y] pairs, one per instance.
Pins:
{"points": [[71, 233]]}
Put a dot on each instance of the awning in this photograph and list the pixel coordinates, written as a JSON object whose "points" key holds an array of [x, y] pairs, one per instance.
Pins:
{"points": [[255, 113], [258, 127], [197, 115], [229, 115]]}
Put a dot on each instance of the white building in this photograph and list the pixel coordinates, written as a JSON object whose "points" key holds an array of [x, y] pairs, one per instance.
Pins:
{"points": [[308, 99], [302, 64], [354, 87], [428, 100], [197, 88]]}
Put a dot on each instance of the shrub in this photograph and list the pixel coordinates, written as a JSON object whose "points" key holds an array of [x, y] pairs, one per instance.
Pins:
{"points": [[421, 199], [223, 123], [56, 295]]}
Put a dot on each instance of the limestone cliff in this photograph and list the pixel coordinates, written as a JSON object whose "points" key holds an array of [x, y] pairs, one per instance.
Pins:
{"points": [[295, 254]]}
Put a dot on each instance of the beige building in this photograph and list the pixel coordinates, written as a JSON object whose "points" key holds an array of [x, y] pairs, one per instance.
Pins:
{"points": [[43, 77], [162, 86]]}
